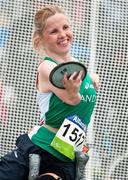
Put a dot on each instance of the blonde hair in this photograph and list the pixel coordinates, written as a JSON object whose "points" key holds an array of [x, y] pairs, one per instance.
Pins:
{"points": [[39, 23]]}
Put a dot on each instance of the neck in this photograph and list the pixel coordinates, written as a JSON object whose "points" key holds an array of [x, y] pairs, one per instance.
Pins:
{"points": [[60, 58]]}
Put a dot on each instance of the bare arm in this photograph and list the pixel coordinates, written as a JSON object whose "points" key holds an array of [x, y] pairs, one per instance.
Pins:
{"points": [[95, 80], [70, 94]]}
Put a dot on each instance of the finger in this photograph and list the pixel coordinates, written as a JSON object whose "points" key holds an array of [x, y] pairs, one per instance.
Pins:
{"points": [[73, 76], [65, 79], [80, 74], [65, 76]]}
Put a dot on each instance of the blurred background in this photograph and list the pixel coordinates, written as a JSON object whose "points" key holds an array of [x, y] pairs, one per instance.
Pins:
{"points": [[101, 43]]}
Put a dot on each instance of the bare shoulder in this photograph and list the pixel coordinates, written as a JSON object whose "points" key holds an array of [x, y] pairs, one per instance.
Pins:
{"points": [[95, 79], [43, 71], [94, 75], [46, 67]]}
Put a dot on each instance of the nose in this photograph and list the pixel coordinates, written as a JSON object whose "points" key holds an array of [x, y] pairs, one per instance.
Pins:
{"points": [[62, 34]]}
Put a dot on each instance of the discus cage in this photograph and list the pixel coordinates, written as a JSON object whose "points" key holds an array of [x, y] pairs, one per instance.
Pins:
{"points": [[101, 42]]}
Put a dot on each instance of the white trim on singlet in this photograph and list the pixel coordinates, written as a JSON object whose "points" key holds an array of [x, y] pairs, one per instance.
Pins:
{"points": [[43, 100], [33, 131]]}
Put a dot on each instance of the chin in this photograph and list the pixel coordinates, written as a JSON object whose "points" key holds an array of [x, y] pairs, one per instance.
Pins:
{"points": [[65, 49], [64, 52]]}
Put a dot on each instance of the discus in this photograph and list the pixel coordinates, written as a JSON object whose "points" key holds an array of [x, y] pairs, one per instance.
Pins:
{"points": [[57, 74]]}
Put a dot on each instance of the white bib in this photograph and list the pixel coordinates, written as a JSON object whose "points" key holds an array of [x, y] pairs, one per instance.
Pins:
{"points": [[70, 137]]}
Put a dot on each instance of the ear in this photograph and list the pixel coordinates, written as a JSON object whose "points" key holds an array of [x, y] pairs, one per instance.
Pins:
{"points": [[36, 42]]}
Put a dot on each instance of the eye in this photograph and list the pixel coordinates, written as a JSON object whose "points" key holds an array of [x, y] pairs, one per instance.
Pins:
{"points": [[54, 31], [65, 27]]}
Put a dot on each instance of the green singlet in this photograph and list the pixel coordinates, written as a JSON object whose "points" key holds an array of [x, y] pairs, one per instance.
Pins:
{"points": [[54, 111]]}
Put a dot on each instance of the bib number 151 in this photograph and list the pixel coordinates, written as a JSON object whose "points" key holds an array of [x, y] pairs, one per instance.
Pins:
{"points": [[75, 135], [70, 137], [72, 134]]}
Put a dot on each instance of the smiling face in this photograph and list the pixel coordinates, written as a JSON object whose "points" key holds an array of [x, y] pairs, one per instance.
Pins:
{"points": [[57, 35]]}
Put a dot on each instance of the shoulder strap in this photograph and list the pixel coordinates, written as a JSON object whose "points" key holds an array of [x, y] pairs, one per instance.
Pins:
{"points": [[50, 59]]}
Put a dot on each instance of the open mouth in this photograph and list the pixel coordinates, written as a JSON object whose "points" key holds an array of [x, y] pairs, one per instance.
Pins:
{"points": [[64, 43]]}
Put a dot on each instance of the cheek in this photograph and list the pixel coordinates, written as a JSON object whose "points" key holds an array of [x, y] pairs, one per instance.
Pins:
{"points": [[48, 41], [70, 34], [72, 37]]}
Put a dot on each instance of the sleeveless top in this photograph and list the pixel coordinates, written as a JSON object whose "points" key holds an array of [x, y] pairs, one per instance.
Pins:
{"points": [[54, 111]]}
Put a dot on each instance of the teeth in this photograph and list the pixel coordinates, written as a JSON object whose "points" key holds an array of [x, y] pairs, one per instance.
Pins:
{"points": [[63, 42]]}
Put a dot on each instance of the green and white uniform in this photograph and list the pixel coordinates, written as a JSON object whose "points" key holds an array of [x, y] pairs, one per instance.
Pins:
{"points": [[54, 111]]}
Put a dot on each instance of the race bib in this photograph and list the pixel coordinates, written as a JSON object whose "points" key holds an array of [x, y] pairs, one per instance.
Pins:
{"points": [[70, 136]]}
